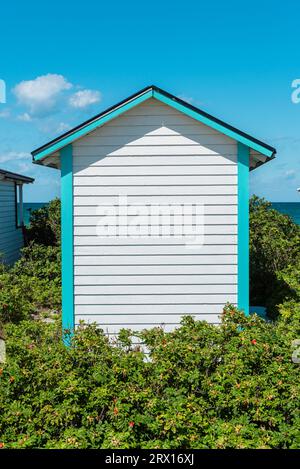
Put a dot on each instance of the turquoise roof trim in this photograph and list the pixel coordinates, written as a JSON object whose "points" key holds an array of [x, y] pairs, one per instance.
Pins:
{"points": [[162, 96], [92, 126], [213, 124]]}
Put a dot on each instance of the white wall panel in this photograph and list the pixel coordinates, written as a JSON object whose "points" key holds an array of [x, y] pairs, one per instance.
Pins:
{"points": [[154, 155]]}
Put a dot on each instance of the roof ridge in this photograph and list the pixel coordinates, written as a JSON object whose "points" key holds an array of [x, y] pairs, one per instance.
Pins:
{"points": [[168, 99]]}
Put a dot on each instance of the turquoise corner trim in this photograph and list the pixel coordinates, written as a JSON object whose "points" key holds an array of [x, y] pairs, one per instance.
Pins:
{"points": [[243, 227], [93, 125], [215, 125], [67, 239]]}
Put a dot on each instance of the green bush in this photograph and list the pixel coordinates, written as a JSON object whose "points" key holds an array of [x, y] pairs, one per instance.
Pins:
{"points": [[44, 225], [274, 248], [202, 386], [32, 286], [233, 386]]}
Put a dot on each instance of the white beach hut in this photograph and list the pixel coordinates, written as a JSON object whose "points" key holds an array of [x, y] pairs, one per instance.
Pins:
{"points": [[155, 217]]}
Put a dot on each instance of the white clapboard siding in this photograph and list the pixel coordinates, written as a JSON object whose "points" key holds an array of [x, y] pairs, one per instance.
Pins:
{"points": [[178, 232], [154, 120], [184, 259], [206, 200], [208, 240], [158, 170], [156, 269], [169, 180], [120, 220], [129, 277], [153, 299], [154, 250], [150, 309], [173, 150], [152, 129], [94, 210], [153, 140], [87, 160], [112, 290], [157, 280], [154, 107], [152, 209], [145, 190]]}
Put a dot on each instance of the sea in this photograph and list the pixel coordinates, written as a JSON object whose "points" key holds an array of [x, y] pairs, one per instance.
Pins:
{"points": [[28, 207], [289, 208]]}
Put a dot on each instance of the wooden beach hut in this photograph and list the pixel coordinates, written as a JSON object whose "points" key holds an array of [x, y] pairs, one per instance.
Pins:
{"points": [[11, 214], [126, 260]]}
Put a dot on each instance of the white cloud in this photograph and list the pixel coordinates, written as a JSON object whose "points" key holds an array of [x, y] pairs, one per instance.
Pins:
{"points": [[40, 95], [18, 162], [24, 117], [84, 98], [12, 156], [63, 127], [24, 167]]}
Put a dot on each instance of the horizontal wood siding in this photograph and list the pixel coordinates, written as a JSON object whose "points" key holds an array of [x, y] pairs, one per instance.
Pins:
{"points": [[153, 155], [11, 238]]}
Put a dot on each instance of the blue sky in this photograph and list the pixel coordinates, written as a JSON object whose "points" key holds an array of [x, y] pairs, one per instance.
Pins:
{"points": [[65, 61]]}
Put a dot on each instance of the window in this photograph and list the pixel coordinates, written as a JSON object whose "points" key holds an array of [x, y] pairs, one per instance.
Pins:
{"points": [[19, 205]]}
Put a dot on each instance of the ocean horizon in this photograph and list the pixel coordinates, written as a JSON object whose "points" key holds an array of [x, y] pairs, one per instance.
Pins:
{"points": [[288, 208], [28, 207]]}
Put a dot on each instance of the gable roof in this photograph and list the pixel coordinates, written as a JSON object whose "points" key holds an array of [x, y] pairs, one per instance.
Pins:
{"points": [[16, 177], [153, 92]]}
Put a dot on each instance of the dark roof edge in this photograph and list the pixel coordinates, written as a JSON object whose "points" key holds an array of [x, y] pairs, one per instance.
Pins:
{"points": [[18, 177], [168, 95], [215, 119]]}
